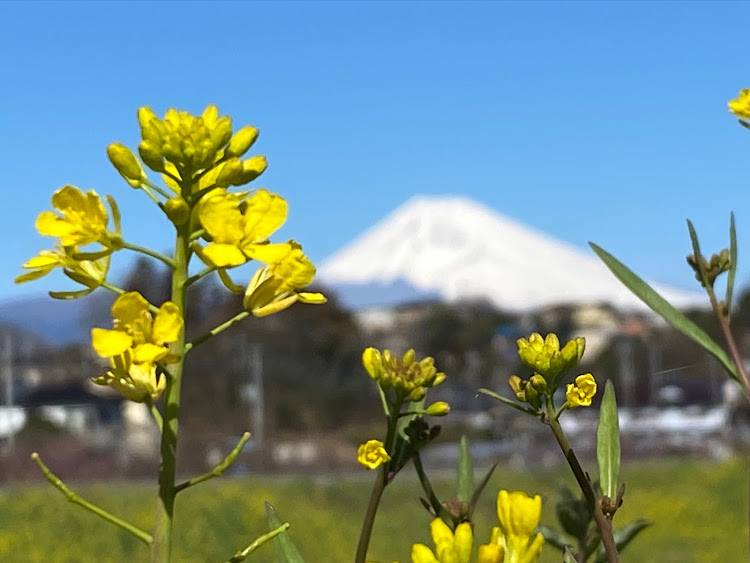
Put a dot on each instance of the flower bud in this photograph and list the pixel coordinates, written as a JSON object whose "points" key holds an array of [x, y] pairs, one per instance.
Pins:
{"points": [[441, 408], [251, 169], [221, 133], [409, 358], [177, 210], [417, 394], [242, 141], [515, 383], [538, 383], [126, 164], [230, 172], [151, 154], [152, 129]]}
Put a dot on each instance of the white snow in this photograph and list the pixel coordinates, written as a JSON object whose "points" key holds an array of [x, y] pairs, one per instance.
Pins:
{"points": [[463, 250]]}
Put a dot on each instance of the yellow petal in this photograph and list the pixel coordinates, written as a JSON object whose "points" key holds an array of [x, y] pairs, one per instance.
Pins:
{"points": [[268, 253], [274, 307], [49, 224], [463, 542], [45, 259], [148, 353], [265, 213], [69, 198], [420, 553], [129, 308], [372, 362], [167, 323], [312, 298], [490, 553], [440, 532], [220, 216], [109, 343], [222, 255]]}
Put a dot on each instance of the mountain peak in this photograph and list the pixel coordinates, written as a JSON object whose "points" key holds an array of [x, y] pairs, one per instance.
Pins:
{"points": [[463, 250]]}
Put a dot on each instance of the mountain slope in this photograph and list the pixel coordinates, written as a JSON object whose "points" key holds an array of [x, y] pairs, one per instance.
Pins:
{"points": [[463, 250]]}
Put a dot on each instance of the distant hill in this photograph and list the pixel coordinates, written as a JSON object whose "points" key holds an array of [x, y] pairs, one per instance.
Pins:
{"points": [[462, 250], [54, 321]]}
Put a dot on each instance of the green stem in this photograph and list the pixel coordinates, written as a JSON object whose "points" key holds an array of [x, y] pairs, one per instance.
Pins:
{"points": [[74, 498], [200, 275], [161, 191], [219, 469], [242, 555], [157, 415], [222, 327], [152, 253], [604, 524], [507, 401], [160, 552], [378, 487]]}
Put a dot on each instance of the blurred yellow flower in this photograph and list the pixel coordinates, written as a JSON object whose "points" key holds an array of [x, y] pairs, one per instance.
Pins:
{"points": [[239, 236], [740, 106], [544, 356], [449, 547], [90, 273], [519, 516], [580, 393], [276, 286], [372, 454], [82, 219], [406, 375], [137, 332]]}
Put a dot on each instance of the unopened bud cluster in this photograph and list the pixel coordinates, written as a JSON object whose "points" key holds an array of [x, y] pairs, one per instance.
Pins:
{"points": [[712, 269], [407, 376]]}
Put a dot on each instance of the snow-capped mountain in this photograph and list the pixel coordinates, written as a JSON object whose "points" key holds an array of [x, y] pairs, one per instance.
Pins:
{"points": [[461, 250]]}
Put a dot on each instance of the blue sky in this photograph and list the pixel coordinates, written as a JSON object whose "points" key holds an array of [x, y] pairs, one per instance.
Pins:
{"points": [[590, 121]]}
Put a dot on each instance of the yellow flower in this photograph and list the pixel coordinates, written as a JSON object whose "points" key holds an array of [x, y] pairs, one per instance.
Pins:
{"points": [[137, 332], [239, 236], [406, 375], [276, 286], [135, 382], [741, 105], [372, 454], [544, 356], [519, 516], [83, 218], [90, 273], [449, 547], [580, 393]]}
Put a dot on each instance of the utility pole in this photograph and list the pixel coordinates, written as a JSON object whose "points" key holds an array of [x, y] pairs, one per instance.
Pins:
{"points": [[254, 393], [6, 373]]}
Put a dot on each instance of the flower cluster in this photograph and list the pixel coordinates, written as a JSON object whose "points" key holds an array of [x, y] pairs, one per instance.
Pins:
{"points": [[408, 377], [549, 362], [372, 454], [740, 106], [514, 541], [136, 344]]}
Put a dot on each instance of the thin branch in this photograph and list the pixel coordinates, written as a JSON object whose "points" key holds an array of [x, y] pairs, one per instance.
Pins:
{"points": [[222, 327], [200, 275], [219, 469], [74, 498], [507, 401], [148, 252], [241, 555]]}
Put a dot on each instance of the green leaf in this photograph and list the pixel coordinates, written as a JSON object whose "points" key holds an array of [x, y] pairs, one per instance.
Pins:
{"points": [[697, 253], [465, 472], [661, 306], [555, 538], [733, 263], [286, 551], [573, 514], [482, 484], [608, 443], [568, 556], [623, 537], [68, 295]]}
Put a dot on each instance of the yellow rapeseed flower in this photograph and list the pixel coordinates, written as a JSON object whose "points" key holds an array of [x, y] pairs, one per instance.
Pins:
{"points": [[276, 286], [135, 382], [544, 356], [82, 220], [137, 332], [91, 273], [405, 375], [240, 235], [519, 516], [449, 547], [580, 393], [372, 454], [740, 106]]}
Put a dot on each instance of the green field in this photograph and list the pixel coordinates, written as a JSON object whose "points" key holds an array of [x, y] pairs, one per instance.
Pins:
{"points": [[699, 510]]}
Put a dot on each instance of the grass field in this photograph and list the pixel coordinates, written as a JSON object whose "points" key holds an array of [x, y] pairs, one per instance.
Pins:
{"points": [[699, 510]]}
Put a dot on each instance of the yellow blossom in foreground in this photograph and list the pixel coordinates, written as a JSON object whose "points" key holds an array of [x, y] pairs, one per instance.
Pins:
{"points": [[276, 286], [740, 106], [544, 356], [137, 332], [90, 273], [519, 516], [580, 393], [135, 382], [372, 454], [239, 236], [449, 547], [405, 374], [82, 219]]}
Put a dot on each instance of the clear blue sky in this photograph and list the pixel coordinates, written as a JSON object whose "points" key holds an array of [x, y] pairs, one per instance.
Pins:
{"points": [[591, 121]]}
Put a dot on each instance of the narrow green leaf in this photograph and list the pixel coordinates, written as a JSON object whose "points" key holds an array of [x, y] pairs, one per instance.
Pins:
{"points": [[733, 263], [478, 491], [286, 551], [568, 556], [555, 538], [608, 443], [697, 253], [68, 295], [660, 305], [465, 472]]}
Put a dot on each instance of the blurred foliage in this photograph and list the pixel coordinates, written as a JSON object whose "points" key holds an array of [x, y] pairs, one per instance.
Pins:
{"points": [[692, 504]]}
